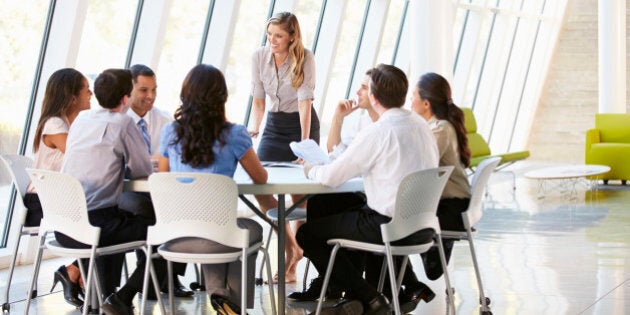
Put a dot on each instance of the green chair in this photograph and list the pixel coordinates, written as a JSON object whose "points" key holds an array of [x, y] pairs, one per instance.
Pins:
{"points": [[609, 144], [479, 148]]}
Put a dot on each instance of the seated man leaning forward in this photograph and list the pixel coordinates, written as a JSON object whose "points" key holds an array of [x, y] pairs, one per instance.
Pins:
{"points": [[103, 146], [398, 144]]}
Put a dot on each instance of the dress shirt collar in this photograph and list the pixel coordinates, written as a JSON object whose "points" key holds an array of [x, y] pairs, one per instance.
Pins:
{"points": [[136, 118]]}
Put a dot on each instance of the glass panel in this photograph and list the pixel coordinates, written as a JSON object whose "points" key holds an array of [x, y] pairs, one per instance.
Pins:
{"points": [[21, 29], [390, 33], [307, 13], [180, 50], [248, 34], [338, 80], [105, 36]]}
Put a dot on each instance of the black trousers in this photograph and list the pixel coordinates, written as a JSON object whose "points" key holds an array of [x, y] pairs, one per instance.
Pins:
{"points": [[362, 225], [140, 205], [34, 214], [450, 216], [116, 227]]}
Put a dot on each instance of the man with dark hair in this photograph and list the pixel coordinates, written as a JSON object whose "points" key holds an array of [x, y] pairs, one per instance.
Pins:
{"points": [[100, 141], [396, 145], [149, 121]]}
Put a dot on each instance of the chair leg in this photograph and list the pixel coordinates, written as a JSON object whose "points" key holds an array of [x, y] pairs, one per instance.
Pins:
{"points": [[322, 293], [308, 263], [169, 272], [449, 290], [259, 280], [483, 300], [88, 284], [243, 282], [6, 307], [125, 268], [145, 282], [270, 283], [36, 265], [392, 278]]}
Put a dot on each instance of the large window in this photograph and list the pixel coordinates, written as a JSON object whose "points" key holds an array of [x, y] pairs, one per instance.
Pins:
{"points": [[105, 37], [22, 24], [503, 48]]}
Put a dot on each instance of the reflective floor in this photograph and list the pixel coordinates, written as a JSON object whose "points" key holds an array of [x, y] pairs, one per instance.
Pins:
{"points": [[557, 248]]}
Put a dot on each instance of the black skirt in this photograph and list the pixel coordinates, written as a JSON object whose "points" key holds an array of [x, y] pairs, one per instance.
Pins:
{"points": [[281, 129]]}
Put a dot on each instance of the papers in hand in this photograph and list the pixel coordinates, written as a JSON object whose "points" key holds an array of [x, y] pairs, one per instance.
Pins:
{"points": [[309, 151]]}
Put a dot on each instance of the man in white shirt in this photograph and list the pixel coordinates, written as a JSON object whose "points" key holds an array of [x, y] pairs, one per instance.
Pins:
{"points": [[360, 115], [103, 147], [398, 144]]}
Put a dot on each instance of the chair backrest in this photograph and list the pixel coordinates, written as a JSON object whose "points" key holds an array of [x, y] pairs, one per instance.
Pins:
{"points": [[477, 144], [195, 205], [64, 206], [478, 186], [416, 203], [613, 127], [17, 165]]}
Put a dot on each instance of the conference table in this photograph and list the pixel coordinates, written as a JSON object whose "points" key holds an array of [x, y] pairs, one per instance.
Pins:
{"points": [[283, 179]]}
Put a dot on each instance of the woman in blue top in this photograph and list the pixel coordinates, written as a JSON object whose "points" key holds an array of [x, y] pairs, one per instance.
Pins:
{"points": [[202, 140]]}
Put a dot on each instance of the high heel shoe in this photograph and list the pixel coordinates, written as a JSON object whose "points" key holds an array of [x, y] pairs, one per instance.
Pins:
{"points": [[70, 289], [223, 306]]}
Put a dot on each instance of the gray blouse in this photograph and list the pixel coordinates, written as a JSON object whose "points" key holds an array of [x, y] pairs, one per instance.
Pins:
{"points": [[276, 85]]}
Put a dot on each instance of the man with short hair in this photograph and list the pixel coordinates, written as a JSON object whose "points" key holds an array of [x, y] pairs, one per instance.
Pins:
{"points": [[149, 121], [104, 146], [398, 144]]}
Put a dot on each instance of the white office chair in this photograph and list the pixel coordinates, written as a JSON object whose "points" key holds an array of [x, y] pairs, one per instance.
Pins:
{"points": [[199, 205], [416, 206], [17, 165], [471, 216], [65, 211]]}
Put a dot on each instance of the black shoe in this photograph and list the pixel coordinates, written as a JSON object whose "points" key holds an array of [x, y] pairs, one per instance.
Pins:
{"points": [[412, 295], [223, 306], [179, 289], [70, 289], [379, 305], [345, 307], [313, 291], [114, 306]]}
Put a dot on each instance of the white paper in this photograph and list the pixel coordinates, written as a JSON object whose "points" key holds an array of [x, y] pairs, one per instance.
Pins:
{"points": [[309, 151]]}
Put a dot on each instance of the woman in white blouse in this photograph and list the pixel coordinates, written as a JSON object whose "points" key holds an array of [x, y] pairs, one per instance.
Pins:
{"points": [[67, 93]]}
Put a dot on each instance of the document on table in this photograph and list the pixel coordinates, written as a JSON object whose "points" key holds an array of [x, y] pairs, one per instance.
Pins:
{"points": [[309, 151]]}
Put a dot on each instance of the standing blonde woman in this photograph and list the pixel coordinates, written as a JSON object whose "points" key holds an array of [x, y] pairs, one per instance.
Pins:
{"points": [[284, 73]]}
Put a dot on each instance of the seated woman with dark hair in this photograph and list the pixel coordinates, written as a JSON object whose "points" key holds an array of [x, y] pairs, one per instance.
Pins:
{"points": [[202, 140]]}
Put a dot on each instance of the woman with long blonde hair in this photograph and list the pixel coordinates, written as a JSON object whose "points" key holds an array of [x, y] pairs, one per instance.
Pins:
{"points": [[284, 73]]}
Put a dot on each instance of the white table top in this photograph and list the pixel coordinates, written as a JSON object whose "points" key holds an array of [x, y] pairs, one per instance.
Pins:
{"points": [[281, 180], [568, 171]]}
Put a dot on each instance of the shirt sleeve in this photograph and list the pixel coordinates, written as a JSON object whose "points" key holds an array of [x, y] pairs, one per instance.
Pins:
{"points": [[355, 161], [306, 91], [241, 141], [55, 125], [258, 90], [165, 138]]}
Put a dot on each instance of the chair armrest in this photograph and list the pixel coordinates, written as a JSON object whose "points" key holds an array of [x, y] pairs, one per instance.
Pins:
{"points": [[592, 136]]}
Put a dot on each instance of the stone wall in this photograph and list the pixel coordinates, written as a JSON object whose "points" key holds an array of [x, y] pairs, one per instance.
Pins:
{"points": [[569, 99]]}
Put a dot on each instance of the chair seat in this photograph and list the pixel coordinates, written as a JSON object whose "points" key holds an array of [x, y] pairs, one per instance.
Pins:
{"points": [[205, 258], [30, 230], [296, 214], [459, 235], [54, 247], [380, 248]]}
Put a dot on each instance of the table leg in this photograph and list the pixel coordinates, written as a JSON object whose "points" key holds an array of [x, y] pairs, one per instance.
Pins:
{"points": [[281, 266]]}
